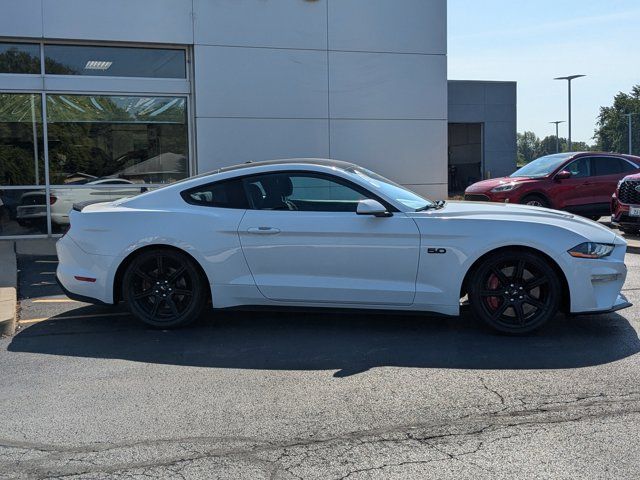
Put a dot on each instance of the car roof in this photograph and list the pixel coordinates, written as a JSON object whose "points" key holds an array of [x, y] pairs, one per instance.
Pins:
{"points": [[324, 162], [573, 155]]}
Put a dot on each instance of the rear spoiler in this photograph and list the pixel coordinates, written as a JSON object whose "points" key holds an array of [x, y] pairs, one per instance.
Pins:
{"points": [[78, 207]]}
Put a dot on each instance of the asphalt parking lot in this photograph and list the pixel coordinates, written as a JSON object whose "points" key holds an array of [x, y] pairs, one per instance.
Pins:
{"points": [[87, 392]]}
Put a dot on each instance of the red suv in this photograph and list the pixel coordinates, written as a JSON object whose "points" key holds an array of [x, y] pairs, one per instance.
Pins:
{"points": [[625, 205], [581, 183]]}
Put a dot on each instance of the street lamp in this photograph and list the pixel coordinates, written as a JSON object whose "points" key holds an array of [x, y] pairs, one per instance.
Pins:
{"points": [[568, 79], [556, 123], [629, 117]]}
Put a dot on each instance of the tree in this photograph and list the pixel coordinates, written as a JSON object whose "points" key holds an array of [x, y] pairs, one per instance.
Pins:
{"points": [[528, 147], [612, 131]]}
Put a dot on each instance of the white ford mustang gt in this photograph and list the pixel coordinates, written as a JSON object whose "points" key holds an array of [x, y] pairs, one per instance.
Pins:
{"points": [[323, 233]]}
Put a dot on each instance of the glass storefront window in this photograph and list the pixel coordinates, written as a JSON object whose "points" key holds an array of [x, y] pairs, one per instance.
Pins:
{"points": [[137, 139], [114, 61], [19, 58], [21, 145], [23, 212]]}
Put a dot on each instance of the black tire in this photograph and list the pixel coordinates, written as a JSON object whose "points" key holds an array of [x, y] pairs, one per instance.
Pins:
{"points": [[515, 292], [535, 201], [164, 288]]}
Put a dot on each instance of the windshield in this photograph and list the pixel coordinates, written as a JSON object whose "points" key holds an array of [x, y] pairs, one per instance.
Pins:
{"points": [[391, 189], [543, 166]]}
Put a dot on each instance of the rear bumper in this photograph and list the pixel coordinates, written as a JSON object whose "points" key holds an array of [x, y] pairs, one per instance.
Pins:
{"points": [[73, 262], [79, 298]]}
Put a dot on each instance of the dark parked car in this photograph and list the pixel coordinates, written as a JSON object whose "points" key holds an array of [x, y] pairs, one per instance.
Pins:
{"points": [[581, 183], [625, 204]]}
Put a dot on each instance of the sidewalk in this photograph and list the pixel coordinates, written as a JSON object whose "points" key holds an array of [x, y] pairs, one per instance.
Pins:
{"points": [[8, 292], [9, 276]]}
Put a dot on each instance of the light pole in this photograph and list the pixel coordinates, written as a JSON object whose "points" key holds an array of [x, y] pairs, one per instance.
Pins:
{"points": [[569, 79], [629, 117], [556, 123]]}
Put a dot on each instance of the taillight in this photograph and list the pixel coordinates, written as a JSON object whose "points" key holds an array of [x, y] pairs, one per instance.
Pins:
{"points": [[52, 199]]}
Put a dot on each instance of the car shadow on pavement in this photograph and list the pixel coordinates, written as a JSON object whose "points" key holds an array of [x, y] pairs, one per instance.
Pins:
{"points": [[348, 343]]}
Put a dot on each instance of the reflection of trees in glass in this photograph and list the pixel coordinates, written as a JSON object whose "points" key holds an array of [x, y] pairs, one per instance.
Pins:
{"points": [[17, 149], [17, 61], [79, 108], [104, 136]]}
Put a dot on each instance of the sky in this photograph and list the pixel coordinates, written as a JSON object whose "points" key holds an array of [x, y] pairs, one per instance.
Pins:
{"points": [[533, 42]]}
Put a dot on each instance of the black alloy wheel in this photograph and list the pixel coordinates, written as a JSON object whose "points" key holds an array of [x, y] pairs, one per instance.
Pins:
{"points": [[515, 292], [164, 288]]}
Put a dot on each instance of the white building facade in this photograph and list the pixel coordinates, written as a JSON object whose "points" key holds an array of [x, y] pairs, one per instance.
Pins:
{"points": [[100, 99]]}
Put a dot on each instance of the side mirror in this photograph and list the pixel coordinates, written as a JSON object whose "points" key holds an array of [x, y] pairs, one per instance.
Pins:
{"points": [[372, 207], [563, 175]]}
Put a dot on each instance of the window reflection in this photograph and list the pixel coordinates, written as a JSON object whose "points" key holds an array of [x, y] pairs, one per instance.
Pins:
{"points": [[19, 58], [21, 150], [139, 139], [22, 212], [114, 61]]}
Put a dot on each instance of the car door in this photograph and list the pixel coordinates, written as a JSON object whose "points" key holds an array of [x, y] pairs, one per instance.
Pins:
{"points": [[574, 192], [304, 242]]}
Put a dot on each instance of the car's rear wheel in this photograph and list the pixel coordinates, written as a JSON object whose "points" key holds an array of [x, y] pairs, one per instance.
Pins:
{"points": [[515, 292], [535, 201], [164, 288]]}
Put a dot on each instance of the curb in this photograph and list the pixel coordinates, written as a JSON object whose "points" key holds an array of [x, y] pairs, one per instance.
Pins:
{"points": [[8, 288]]}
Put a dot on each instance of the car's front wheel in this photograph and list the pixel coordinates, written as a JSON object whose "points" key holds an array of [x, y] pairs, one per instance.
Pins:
{"points": [[164, 288], [535, 201], [515, 292]]}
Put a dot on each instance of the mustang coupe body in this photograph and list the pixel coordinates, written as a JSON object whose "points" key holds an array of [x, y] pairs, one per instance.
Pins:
{"points": [[324, 233]]}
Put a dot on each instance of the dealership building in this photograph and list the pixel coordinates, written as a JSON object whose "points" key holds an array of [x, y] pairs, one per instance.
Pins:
{"points": [[103, 99]]}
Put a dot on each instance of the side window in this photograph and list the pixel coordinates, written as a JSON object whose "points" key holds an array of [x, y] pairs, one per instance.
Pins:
{"points": [[612, 166], [608, 166], [224, 194], [302, 192], [580, 168], [628, 167]]}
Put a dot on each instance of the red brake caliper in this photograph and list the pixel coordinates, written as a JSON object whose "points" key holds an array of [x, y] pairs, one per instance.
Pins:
{"points": [[493, 284]]}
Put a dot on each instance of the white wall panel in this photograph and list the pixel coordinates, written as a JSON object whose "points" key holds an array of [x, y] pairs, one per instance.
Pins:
{"points": [[416, 26], [261, 82], [228, 141], [21, 18], [411, 152], [382, 85], [162, 21], [273, 23]]}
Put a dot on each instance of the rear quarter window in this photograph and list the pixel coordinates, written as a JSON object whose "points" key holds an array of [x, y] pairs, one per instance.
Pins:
{"points": [[224, 194]]}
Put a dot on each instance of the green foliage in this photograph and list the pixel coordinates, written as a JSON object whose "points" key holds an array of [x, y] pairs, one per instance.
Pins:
{"points": [[612, 130], [15, 61], [531, 147]]}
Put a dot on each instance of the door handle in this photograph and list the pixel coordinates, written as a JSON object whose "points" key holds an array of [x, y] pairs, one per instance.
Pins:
{"points": [[263, 230]]}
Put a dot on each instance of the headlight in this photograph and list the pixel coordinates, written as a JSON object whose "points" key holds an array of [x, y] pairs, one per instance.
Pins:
{"points": [[592, 250], [507, 187]]}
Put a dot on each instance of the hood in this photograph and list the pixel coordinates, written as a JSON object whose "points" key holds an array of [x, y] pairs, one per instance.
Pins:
{"points": [[523, 214], [487, 185]]}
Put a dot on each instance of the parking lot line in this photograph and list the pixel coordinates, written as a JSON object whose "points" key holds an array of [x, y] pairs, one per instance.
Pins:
{"points": [[72, 317]]}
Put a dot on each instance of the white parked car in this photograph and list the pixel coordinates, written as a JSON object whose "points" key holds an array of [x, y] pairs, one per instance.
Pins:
{"points": [[323, 233], [33, 209]]}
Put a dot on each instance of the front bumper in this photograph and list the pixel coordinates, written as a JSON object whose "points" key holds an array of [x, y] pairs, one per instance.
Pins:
{"points": [[595, 285], [620, 216]]}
